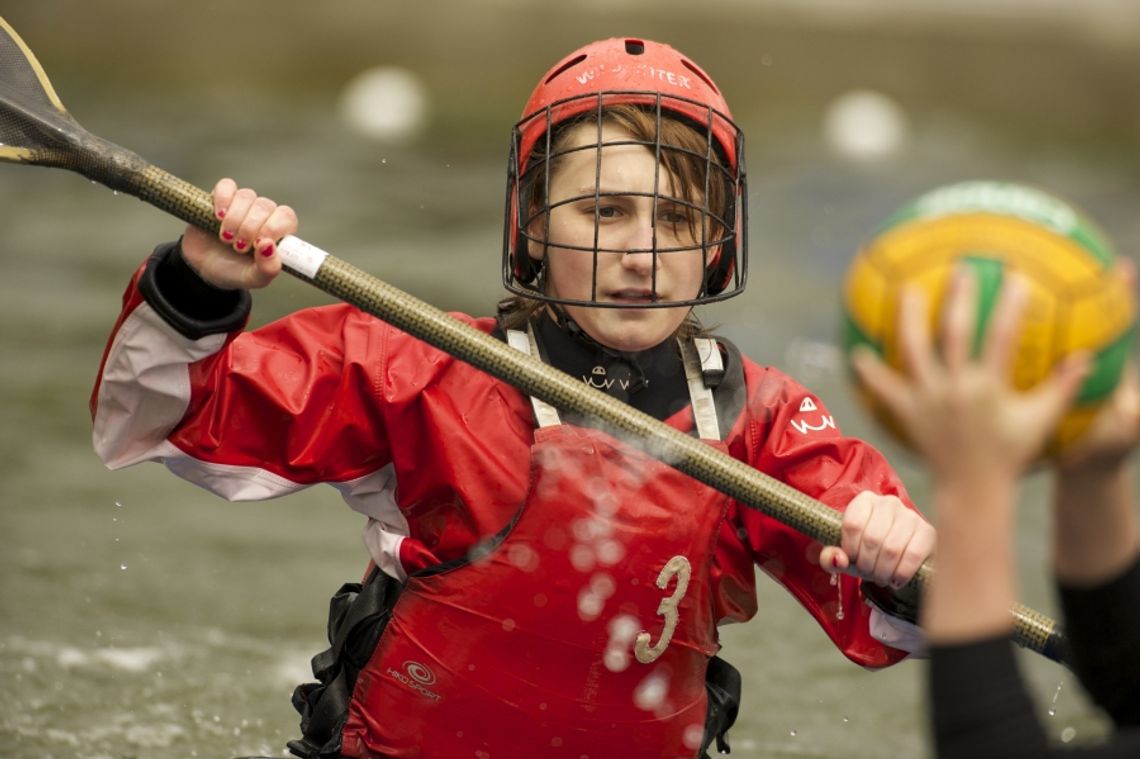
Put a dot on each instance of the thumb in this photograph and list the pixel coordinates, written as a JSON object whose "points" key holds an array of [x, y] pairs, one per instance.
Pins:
{"points": [[833, 560]]}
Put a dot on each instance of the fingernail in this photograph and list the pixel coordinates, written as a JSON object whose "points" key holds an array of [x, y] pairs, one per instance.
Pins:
{"points": [[227, 236], [240, 244], [267, 250], [220, 213], [835, 561]]}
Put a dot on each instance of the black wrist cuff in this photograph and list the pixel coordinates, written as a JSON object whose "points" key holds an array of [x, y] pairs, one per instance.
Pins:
{"points": [[187, 302]]}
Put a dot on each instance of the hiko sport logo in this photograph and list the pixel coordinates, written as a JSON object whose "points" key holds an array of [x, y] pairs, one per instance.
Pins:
{"points": [[803, 426], [417, 677]]}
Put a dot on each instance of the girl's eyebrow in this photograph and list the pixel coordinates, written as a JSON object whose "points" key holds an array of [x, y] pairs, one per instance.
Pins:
{"points": [[590, 190]]}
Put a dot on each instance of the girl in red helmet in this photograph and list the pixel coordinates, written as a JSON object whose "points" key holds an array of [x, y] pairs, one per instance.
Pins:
{"points": [[537, 587]]}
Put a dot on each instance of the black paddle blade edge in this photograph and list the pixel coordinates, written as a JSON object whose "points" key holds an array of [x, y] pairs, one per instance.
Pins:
{"points": [[35, 128], [32, 118]]}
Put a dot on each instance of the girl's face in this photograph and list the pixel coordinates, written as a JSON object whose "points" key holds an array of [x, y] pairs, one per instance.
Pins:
{"points": [[629, 230]]}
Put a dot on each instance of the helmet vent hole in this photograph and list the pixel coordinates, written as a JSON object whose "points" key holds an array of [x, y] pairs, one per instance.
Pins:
{"points": [[562, 69], [634, 47], [702, 75]]}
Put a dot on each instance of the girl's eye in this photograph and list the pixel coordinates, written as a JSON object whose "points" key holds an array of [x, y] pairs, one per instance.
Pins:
{"points": [[674, 216], [606, 212]]}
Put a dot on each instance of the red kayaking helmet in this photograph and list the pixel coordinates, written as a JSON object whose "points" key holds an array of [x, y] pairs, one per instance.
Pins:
{"points": [[663, 83]]}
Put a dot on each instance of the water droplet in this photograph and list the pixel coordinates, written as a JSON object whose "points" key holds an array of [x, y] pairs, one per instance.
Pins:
{"points": [[693, 736], [118, 505], [582, 557], [602, 585], [1068, 734], [839, 597], [792, 733], [846, 720], [616, 659], [1053, 703], [651, 692], [123, 565]]}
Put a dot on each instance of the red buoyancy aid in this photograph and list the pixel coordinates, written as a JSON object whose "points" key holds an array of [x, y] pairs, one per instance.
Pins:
{"points": [[589, 626]]}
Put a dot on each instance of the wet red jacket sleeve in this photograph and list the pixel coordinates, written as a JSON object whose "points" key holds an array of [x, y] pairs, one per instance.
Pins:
{"points": [[788, 433]]}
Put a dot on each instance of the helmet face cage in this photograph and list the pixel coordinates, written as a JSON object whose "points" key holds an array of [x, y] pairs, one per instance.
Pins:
{"points": [[719, 233]]}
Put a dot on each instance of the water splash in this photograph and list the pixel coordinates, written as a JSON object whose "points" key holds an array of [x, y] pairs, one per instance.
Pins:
{"points": [[651, 692], [623, 629], [839, 597], [1053, 703]]}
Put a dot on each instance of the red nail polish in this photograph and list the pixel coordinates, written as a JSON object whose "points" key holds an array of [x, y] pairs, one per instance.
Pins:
{"points": [[835, 561], [221, 213], [240, 244], [227, 236], [267, 251]]}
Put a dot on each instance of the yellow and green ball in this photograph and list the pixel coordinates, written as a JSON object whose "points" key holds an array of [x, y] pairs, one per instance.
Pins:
{"points": [[1078, 299]]}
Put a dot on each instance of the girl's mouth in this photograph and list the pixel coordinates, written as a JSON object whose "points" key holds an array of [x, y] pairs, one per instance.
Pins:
{"points": [[635, 296]]}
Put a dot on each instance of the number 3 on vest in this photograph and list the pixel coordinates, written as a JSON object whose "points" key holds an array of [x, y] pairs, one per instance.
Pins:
{"points": [[679, 566]]}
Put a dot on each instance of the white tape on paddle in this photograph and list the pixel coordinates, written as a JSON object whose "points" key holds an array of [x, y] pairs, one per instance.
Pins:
{"points": [[303, 257]]}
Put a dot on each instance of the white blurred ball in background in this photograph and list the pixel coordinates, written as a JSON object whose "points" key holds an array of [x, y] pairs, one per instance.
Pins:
{"points": [[864, 125], [386, 103]]}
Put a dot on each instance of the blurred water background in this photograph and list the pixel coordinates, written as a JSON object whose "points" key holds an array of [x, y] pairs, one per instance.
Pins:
{"points": [[140, 617]]}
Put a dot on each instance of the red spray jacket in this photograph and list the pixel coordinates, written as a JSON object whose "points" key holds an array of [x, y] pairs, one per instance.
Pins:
{"points": [[436, 453]]}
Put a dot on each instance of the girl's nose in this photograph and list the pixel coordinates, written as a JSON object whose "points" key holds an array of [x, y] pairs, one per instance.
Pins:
{"points": [[640, 247]]}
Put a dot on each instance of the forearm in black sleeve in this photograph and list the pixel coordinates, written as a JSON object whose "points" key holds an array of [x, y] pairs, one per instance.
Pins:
{"points": [[979, 704], [1102, 625], [187, 302]]}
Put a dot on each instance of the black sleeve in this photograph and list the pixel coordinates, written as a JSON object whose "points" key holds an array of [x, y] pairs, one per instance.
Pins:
{"points": [[981, 709], [187, 302], [979, 704], [1102, 625]]}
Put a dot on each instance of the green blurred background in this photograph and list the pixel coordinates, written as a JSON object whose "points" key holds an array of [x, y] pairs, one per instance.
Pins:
{"points": [[141, 617]]}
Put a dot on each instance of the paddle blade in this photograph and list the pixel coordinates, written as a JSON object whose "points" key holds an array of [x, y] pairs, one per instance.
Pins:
{"points": [[34, 125]]}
